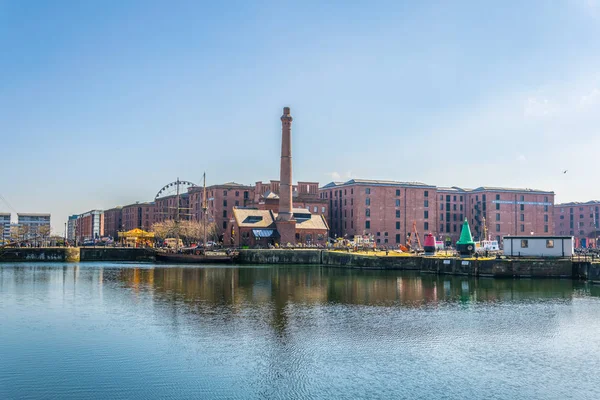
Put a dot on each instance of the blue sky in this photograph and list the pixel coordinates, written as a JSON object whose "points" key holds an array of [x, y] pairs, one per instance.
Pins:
{"points": [[102, 103]]}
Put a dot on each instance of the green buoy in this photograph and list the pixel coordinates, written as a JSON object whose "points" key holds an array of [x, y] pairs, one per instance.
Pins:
{"points": [[465, 245]]}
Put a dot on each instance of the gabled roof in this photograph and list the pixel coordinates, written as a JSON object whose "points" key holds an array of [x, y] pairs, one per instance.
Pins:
{"points": [[503, 189], [253, 218], [374, 182], [579, 203]]}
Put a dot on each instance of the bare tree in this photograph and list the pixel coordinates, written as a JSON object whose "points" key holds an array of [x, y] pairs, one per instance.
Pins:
{"points": [[44, 232]]}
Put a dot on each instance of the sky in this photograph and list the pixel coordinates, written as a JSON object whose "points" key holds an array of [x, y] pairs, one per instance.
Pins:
{"points": [[103, 103]]}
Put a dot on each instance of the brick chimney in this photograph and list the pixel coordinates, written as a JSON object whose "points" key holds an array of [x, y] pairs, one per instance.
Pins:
{"points": [[285, 185]]}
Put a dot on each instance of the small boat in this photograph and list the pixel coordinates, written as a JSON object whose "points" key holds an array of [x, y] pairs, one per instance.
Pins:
{"points": [[179, 258]]}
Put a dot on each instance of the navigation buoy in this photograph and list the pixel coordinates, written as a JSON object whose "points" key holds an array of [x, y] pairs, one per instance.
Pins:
{"points": [[429, 245]]}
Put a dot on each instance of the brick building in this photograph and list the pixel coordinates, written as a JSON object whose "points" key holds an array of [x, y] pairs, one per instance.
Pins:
{"points": [[389, 210], [113, 222], [580, 220], [166, 207], [510, 212], [384, 209], [304, 195], [89, 226], [138, 215], [221, 199]]}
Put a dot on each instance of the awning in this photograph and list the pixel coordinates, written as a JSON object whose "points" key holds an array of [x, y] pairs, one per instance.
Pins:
{"points": [[263, 233]]}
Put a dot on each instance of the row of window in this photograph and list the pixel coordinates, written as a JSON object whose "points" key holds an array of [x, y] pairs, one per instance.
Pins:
{"points": [[237, 194], [549, 243], [562, 210]]}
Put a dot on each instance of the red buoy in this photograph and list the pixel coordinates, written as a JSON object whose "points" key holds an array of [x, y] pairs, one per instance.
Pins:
{"points": [[429, 244]]}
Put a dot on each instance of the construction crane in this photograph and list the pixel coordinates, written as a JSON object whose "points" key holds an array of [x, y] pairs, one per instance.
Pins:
{"points": [[413, 237]]}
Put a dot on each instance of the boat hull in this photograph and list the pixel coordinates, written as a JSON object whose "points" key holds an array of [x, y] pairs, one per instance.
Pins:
{"points": [[194, 259]]}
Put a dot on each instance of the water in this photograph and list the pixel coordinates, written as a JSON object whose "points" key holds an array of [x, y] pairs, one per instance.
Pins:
{"points": [[134, 331]]}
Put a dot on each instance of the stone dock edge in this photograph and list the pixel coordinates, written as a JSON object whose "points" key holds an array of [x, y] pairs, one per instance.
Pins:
{"points": [[493, 268]]}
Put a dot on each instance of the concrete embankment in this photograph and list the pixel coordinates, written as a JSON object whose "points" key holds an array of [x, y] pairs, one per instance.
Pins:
{"points": [[75, 254]]}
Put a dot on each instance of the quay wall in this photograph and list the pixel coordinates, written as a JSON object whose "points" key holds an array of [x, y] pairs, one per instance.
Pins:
{"points": [[504, 268], [75, 254], [117, 254], [279, 256], [47, 254]]}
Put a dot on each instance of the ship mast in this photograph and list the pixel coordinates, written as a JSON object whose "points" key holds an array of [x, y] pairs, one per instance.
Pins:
{"points": [[177, 220], [485, 231], [204, 207]]}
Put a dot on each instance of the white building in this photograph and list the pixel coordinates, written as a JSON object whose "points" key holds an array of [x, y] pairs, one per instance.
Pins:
{"points": [[4, 227], [32, 222], [538, 246]]}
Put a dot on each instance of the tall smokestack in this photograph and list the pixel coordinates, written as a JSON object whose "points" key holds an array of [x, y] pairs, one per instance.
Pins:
{"points": [[285, 185]]}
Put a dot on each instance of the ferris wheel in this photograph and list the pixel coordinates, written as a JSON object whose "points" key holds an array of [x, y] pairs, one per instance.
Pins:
{"points": [[174, 188]]}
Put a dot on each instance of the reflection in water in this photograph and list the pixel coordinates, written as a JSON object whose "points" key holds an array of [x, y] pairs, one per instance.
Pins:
{"points": [[139, 331]]}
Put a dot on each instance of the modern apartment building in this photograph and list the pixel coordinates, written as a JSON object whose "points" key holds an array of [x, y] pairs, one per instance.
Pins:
{"points": [[4, 227], [579, 219], [72, 228], [32, 222], [90, 226]]}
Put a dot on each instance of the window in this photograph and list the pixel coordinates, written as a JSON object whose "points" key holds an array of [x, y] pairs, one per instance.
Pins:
{"points": [[497, 227], [368, 190], [426, 194], [497, 216], [581, 216], [447, 197], [522, 228], [441, 227], [545, 228], [397, 224], [454, 227], [385, 241], [461, 217], [562, 217], [237, 203], [368, 201], [461, 207], [545, 218], [237, 194], [351, 191], [522, 207], [426, 203], [224, 192], [441, 206], [378, 233], [441, 197], [385, 233], [522, 198], [524, 243], [497, 197], [224, 213], [397, 192], [352, 201], [345, 202], [426, 225], [398, 238], [545, 199], [497, 206], [323, 210], [368, 212], [397, 213], [441, 217], [549, 244], [367, 224], [545, 208], [316, 209], [224, 224], [426, 214], [453, 198], [461, 198], [397, 202], [522, 217], [454, 207], [378, 240], [224, 203]]}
